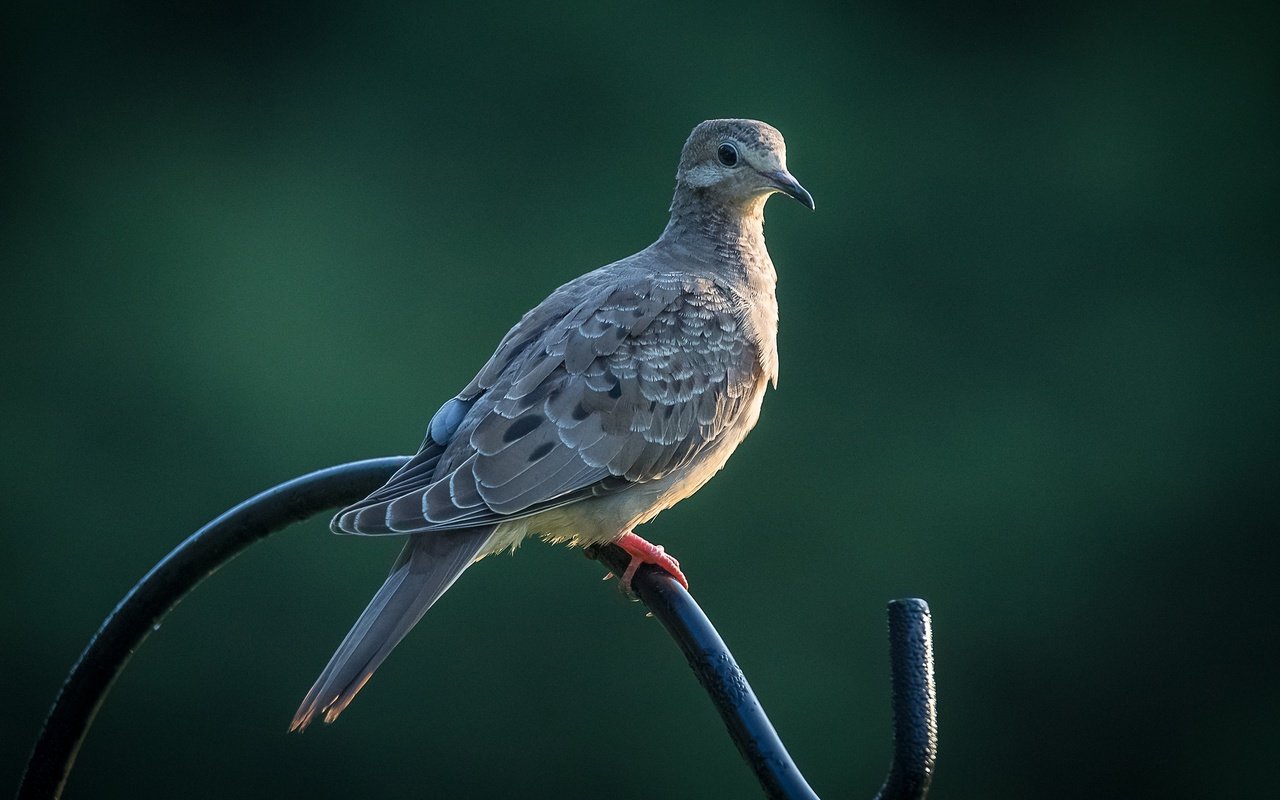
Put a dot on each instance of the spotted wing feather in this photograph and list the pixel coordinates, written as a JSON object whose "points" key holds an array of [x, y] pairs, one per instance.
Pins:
{"points": [[624, 387]]}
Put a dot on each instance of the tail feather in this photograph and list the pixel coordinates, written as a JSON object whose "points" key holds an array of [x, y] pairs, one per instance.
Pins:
{"points": [[425, 570]]}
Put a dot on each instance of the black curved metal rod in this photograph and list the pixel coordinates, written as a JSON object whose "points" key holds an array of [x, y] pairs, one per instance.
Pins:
{"points": [[915, 740], [915, 701], [719, 674], [219, 541], [160, 590]]}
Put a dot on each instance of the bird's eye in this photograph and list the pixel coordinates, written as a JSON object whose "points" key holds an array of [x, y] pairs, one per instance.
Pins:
{"points": [[728, 154]]}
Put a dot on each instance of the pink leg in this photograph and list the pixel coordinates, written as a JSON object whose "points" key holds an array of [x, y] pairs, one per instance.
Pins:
{"points": [[642, 552]]}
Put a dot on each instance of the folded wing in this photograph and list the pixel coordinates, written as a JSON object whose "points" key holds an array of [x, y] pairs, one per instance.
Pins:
{"points": [[625, 386]]}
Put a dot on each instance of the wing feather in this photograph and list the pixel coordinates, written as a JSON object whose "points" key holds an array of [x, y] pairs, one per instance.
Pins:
{"points": [[581, 399]]}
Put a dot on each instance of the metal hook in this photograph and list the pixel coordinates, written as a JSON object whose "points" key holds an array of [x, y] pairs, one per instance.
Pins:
{"points": [[222, 539]]}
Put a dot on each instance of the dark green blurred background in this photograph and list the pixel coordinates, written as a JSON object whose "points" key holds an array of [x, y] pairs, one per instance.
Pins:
{"points": [[1029, 372]]}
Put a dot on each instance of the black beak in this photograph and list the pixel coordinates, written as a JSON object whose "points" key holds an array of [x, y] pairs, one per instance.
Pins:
{"points": [[784, 182]]}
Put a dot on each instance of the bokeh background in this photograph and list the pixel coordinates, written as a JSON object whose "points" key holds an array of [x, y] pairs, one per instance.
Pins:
{"points": [[1029, 373]]}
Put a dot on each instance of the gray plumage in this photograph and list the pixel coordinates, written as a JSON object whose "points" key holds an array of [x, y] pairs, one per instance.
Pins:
{"points": [[619, 395]]}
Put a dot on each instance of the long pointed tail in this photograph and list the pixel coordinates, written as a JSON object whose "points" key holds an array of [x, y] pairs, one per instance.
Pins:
{"points": [[425, 570]]}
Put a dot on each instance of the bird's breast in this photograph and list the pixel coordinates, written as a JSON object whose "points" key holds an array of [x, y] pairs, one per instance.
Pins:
{"points": [[757, 307], [652, 498]]}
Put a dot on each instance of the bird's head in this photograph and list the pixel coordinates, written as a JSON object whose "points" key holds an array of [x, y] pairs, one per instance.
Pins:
{"points": [[737, 162]]}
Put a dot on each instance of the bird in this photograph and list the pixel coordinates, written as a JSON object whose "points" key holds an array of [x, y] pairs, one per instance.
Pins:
{"points": [[620, 394]]}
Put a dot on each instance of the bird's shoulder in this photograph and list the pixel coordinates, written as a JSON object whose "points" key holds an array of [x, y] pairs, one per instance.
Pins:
{"points": [[620, 376], [635, 306]]}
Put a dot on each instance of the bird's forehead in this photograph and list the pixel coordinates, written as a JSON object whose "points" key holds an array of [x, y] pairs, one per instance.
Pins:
{"points": [[758, 136]]}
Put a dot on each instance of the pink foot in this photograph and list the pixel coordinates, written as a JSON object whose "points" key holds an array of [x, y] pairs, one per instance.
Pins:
{"points": [[642, 552]]}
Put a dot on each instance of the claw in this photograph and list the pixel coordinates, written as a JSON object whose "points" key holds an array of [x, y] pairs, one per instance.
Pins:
{"points": [[642, 552]]}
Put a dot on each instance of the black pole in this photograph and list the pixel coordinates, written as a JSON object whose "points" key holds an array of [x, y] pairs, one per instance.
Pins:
{"points": [[160, 590], [720, 676], [915, 701], [222, 539]]}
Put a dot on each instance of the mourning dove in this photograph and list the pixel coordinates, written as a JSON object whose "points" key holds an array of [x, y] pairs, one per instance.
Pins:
{"points": [[615, 398]]}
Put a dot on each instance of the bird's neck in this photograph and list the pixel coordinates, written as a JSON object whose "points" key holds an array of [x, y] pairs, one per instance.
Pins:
{"points": [[728, 240], [729, 234]]}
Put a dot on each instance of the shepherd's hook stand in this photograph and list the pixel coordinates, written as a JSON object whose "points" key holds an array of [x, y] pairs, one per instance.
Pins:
{"points": [[910, 636]]}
